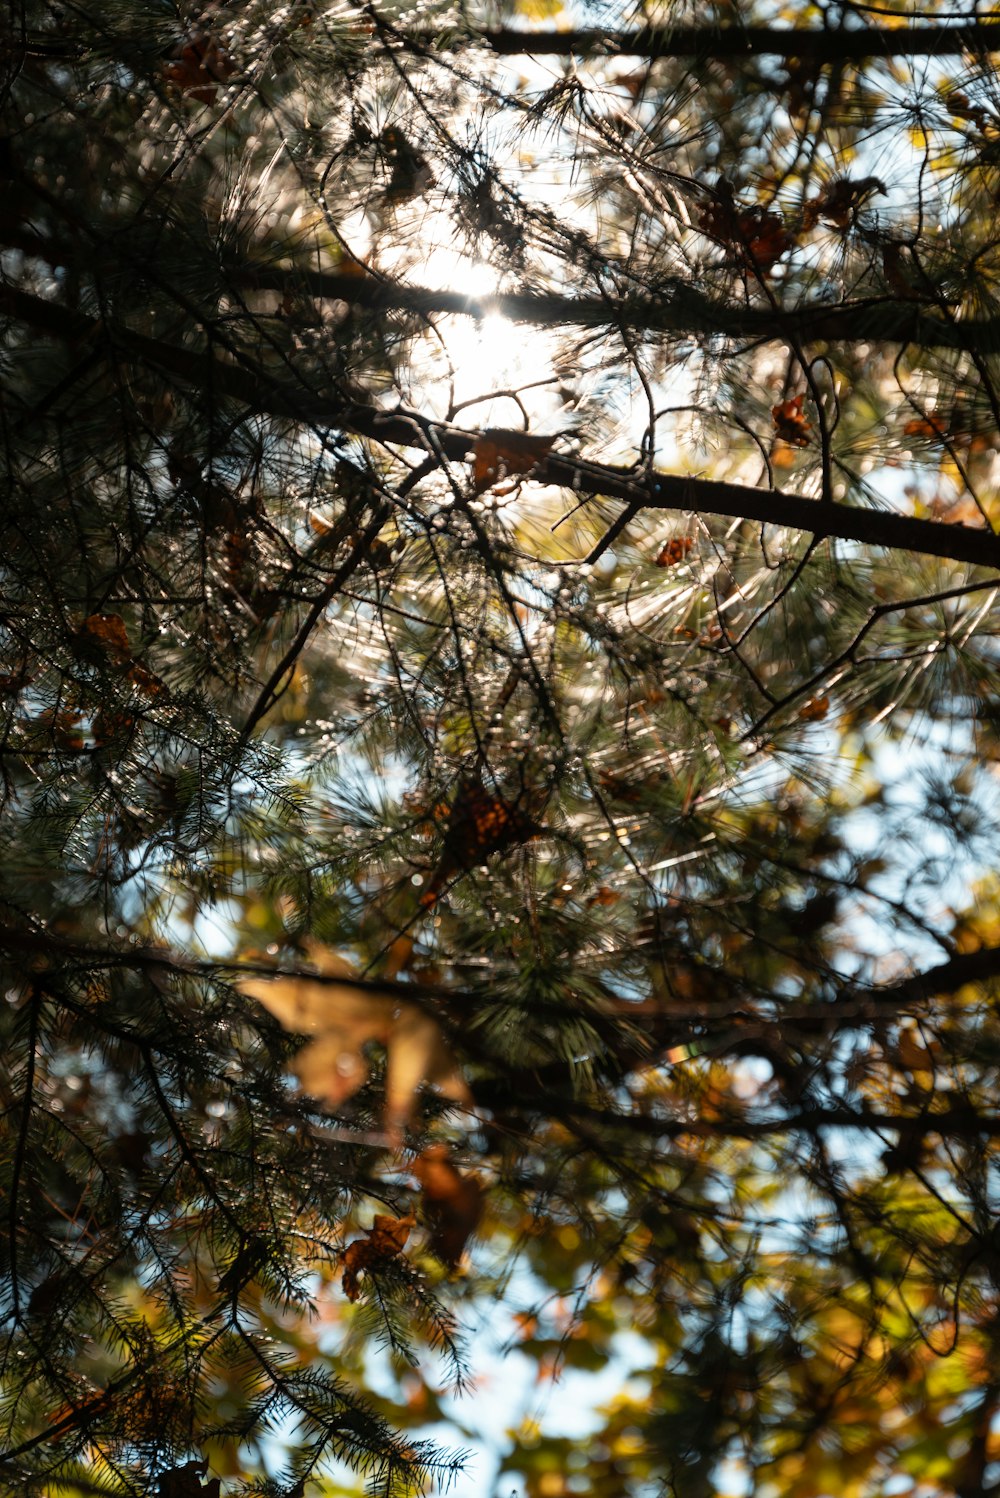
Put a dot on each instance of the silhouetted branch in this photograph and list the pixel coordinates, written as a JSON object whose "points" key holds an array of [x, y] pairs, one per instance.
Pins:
{"points": [[260, 390]]}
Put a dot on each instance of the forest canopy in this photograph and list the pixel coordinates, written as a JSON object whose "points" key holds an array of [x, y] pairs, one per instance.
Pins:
{"points": [[499, 717]]}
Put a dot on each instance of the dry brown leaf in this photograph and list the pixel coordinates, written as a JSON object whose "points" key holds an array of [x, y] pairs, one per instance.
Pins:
{"points": [[147, 681], [452, 1203], [109, 631], [498, 453], [675, 551], [105, 634], [604, 896], [839, 201], [815, 709], [383, 1242], [344, 1019], [185, 1482], [757, 236], [198, 66], [789, 423]]}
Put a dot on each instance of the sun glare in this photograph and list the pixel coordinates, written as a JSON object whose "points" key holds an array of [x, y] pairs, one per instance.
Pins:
{"points": [[483, 369]]}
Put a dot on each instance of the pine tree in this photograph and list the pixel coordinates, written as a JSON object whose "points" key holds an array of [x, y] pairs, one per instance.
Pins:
{"points": [[499, 725]]}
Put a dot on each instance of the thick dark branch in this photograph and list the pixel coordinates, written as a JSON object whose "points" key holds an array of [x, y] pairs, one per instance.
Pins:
{"points": [[672, 307], [958, 1121], [948, 977], [675, 308], [260, 390], [728, 43], [853, 1002]]}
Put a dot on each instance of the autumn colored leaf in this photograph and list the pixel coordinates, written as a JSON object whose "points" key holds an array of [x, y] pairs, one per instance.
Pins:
{"points": [[962, 107], [477, 824], [756, 235], [815, 709], [108, 631], [789, 423], [344, 1019], [620, 788], [958, 431], [109, 726], [840, 200], [383, 1243], [198, 66], [452, 1203], [12, 682], [675, 551], [147, 681], [64, 728], [498, 453], [481, 822], [105, 635], [349, 265], [923, 426], [185, 1482]]}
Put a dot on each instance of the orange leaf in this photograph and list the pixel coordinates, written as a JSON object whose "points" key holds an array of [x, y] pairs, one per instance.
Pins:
{"points": [[789, 422], [199, 65], [757, 235], [384, 1241], [498, 453], [349, 265], [477, 824], [675, 551], [815, 709], [958, 431], [109, 725], [147, 681], [109, 631], [923, 426]]}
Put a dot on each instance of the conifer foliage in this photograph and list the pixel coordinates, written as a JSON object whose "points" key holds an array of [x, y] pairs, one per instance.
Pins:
{"points": [[498, 728]]}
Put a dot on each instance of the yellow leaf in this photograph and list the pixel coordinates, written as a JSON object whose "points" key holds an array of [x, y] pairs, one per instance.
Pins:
{"points": [[344, 1019]]}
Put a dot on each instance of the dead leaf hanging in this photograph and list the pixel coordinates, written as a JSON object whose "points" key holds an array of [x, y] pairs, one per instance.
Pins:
{"points": [[839, 202], [814, 710], [674, 551], [498, 453], [198, 66], [452, 1203], [105, 637], [789, 423], [478, 823], [383, 1242], [756, 235]]}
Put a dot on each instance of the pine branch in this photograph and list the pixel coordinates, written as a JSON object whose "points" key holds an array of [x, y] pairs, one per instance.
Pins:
{"points": [[675, 307], [261, 391], [725, 43], [834, 46], [854, 1001]]}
